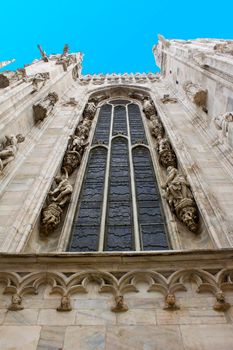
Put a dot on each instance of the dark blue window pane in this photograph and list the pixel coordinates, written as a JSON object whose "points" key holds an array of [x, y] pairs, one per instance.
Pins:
{"points": [[137, 131], [151, 221], [119, 216], [119, 121], [119, 102], [86, 225], [103, 125]]}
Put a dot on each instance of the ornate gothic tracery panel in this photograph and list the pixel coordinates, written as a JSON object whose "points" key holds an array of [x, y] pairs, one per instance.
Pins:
{"points": [[119, 205]]}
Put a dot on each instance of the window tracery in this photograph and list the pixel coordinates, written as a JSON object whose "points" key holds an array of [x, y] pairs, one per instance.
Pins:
{"points": [[119, 206]]}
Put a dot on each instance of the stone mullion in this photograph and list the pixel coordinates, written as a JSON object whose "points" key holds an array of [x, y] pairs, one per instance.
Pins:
{"points": [[106, 189]]}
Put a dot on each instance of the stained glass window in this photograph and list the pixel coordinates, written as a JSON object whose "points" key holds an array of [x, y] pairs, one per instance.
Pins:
{"points": [[119, 206]]}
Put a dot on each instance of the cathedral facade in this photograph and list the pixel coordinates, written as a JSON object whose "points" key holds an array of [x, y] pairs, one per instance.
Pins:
{"points": [[116, 196]]}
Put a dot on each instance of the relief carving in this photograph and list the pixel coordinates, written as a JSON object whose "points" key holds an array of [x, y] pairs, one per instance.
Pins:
{"points": [[196, 94], [45, 106], [9, 149], [75, 149], [180, 198]]}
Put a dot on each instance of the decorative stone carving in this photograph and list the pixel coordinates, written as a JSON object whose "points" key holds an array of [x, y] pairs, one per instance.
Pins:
{"points": [[167, 156], [9, 149], [166, 281], [50, 218], [16, 303], [168, 99], [196, 94], [65, 304], [45, 106], [9, 77], [90, 109], [148, 107], [221, 304], [170, 302], [65, 59], [224, 48], [38, 81], [222, 122], [43, 54], [70, 103], [156, 127], [75, 148], [120, 305], [57, 198], [180, 198]]}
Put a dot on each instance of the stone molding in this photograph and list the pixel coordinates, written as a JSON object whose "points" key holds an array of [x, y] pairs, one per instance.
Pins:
{"points": [[118, 274]]}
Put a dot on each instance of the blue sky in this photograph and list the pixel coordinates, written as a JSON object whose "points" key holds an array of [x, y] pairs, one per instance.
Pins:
{"points": [[115, 36]]}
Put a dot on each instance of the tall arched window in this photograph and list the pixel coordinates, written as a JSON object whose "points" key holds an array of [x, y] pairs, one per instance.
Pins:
{"points": [[119, 207]]}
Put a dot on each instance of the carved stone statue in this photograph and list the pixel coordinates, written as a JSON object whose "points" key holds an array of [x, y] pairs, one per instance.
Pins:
{"points": [[38, 81], [90, 110], [180, 198], [57, 198], [65, 304], [167, 156], [221, 304], [65, 59], [16, 303], [45, 106], [120, 305], [83, 128], [156, 127], [222, 122], [43, 54], [9, 149], [62, 193], [148, 107], [73, 156], [170, 302], [50, 218], [196, 94]]}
